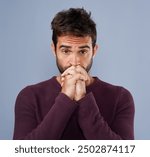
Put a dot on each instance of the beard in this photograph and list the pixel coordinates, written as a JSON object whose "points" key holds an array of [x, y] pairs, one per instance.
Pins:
{"points": [[62, 69]]}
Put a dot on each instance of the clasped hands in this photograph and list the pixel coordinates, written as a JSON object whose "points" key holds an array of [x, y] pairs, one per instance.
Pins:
{"points": [[74, 81]]}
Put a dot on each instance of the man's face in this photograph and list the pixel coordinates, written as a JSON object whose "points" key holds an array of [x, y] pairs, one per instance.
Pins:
{"points": [[73, 51]]}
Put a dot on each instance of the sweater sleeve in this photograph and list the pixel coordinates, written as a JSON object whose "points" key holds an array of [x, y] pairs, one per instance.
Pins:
{"points": [[95, 127], [53, 124]]}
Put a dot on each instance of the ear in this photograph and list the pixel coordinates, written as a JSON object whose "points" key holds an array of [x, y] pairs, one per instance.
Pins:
{"points": [[53, 49], [95, 50]]}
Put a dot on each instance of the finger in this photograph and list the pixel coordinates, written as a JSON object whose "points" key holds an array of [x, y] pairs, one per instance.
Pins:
{"points": [[68, 77], [62, 79], [83, 72], [65, 78], [62, 83], [79, 76], [80, 69], [75, 77], [67, 71]]}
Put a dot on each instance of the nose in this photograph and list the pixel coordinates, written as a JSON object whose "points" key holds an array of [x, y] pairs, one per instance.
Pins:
{"points": [[74, 60]]}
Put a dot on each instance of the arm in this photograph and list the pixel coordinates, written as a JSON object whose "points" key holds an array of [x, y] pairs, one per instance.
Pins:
{"points": [[94, 126], [53, 124], [90, 118]]}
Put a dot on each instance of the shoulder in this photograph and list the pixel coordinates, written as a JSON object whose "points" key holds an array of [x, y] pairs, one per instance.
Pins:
{"points": [[102, 85], [38, 88], [111, 91]]}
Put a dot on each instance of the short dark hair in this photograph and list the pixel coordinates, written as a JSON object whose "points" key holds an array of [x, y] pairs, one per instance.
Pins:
{"points": [[74, 21]]}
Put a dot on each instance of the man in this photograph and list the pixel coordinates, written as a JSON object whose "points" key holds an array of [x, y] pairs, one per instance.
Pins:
{"points": [[74, 105]]}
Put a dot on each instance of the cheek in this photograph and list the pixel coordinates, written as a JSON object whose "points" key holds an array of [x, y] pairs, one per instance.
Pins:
{"points": [[62, 61], [87, 59]]}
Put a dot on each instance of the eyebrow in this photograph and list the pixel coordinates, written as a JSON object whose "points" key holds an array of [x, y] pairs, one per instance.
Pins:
{"points": [[64, 46], [84, 46], [81, 47]]}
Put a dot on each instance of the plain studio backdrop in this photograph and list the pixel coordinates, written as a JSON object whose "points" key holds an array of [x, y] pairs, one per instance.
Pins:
{"points": [[123, 58]]}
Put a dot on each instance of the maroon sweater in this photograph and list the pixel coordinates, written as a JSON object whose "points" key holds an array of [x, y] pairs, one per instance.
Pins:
{"points": [[43, 112]]}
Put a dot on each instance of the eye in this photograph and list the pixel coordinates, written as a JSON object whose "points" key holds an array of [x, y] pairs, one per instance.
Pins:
{"points": [[83, 52], [65, 51]]}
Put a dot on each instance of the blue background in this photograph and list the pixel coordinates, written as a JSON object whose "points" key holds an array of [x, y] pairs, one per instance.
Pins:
{"points": [[123, 57]]}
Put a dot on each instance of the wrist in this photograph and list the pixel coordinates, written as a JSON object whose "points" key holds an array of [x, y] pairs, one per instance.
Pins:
{"points": [[67, 94], [79, 97]]}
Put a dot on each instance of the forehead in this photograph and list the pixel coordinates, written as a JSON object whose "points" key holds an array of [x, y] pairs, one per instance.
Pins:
{"points": [[74, 40]]}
